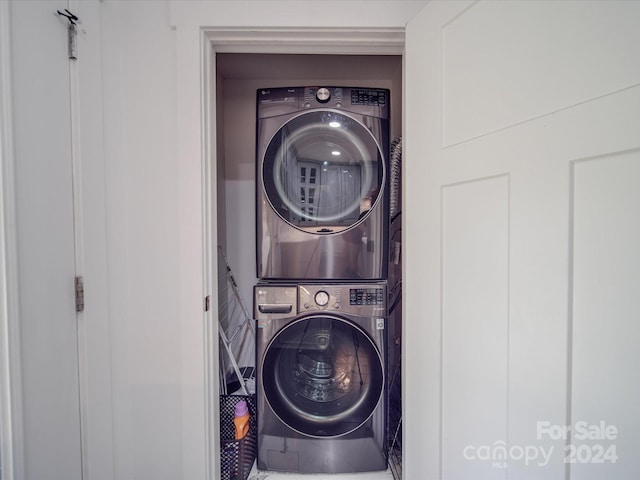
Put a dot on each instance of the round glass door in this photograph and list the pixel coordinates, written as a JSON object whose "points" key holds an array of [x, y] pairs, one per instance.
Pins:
{"points": [[322, 376], [323, 171]]}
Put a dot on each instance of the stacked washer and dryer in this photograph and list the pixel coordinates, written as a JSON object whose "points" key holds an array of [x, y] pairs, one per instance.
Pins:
{"points": [[322, 260]]}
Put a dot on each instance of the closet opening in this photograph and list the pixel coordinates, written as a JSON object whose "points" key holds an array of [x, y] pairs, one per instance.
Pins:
{"points": [[238, 77]]}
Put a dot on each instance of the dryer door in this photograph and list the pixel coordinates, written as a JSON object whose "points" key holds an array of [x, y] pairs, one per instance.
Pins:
{"points": [[322, 376], [323, 171]]}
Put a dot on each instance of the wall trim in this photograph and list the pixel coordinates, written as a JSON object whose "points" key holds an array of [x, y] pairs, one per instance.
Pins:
{"points": [[209, 224], [341, 41]]}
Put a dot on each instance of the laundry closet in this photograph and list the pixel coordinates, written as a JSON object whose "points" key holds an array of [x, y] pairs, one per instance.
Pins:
{"points": [[239, 77]]}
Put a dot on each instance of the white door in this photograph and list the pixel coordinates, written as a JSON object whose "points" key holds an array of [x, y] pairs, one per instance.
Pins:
{"points": [[45, 231], [522, 181]]}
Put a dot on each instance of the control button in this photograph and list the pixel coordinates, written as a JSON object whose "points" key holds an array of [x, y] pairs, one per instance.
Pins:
{"points": [[323, 95], [322, 298]]}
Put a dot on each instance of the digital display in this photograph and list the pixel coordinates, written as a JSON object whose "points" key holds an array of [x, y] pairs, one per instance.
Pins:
{"points": [[369, 97], [366, 296]]}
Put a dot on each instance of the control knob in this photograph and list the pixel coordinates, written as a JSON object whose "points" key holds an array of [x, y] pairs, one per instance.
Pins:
{"points": [[323, 95], [322, 298]]}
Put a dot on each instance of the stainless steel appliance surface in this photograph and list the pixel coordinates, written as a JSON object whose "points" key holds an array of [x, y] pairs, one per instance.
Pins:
{"points": [[321, 377], [321, 188]]}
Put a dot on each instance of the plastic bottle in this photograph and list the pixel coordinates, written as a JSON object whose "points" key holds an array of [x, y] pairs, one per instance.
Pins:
{"points": [[241, 420]]}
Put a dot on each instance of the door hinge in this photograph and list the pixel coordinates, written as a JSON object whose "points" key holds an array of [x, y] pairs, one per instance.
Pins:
{"points": [[73, 32], [79, 294]]}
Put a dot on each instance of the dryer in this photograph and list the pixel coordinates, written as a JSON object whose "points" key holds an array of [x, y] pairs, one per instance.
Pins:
{"points": [[321, 377], [322, 196]]}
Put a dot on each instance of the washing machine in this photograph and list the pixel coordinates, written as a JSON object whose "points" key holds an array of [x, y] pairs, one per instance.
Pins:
{"points": [[321, 377], [322, 196]]}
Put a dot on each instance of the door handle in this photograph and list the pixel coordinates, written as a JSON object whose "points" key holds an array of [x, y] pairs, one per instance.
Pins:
{"points": [[275, 307]]}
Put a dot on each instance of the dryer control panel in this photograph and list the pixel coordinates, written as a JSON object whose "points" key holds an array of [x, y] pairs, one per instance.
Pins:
{"points": [[372, 102]]}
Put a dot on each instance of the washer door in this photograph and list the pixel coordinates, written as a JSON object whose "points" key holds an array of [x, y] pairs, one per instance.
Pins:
{"points": [[322, 376], [323, 171]]}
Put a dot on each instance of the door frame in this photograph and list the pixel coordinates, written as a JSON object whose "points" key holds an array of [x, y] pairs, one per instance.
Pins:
{"points": [[268, 40], [12, 452]]}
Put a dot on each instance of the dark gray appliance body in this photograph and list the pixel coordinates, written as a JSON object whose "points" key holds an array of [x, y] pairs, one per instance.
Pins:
{"points": [[321, 377], [321, 181]]}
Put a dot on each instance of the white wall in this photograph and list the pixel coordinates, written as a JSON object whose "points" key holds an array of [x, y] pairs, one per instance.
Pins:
{"points": [[134, 407]]}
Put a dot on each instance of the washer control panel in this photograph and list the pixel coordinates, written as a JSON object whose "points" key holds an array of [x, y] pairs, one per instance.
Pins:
{"points": [[357, 299]]}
